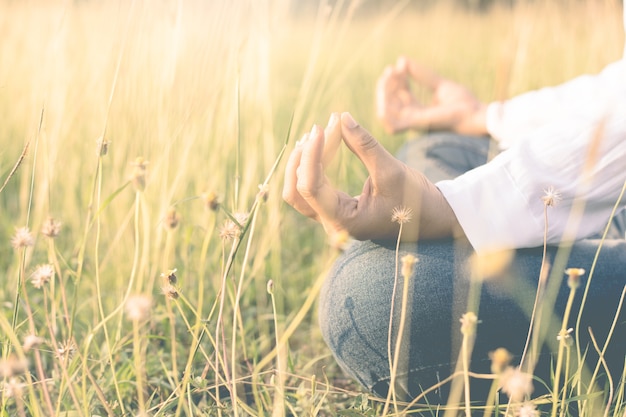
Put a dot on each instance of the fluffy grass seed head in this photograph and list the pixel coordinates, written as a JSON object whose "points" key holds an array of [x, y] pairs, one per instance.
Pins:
{"points": [[408, 264], [401, 215], [231, 230], [169, 277], [138, 307], [528, 409], [32, 341], [170, 291], [469, 321], [102, 146], [12, 366], [42, 275], [573, 277], [517, 384], [241, 218], [66, 350], [138, 175], [13, 388], [22, 238], [270, 287], [566, 337], [264, 190], [551, 197], [51, 228], [500, 359], [211, 201], [172, 218]]}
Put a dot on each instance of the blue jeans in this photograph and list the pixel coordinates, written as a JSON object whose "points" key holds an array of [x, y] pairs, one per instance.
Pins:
{"points": [[356, 300]]}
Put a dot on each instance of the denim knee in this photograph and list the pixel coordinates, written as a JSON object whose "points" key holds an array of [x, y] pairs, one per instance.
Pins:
{"points": [[442, 156], [355, 309]]}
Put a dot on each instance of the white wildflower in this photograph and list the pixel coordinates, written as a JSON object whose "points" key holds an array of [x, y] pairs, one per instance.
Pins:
{"points": [[42, 275], [517, 384], [469, 321], [551, 197], [401, 215], [566, 337], [22, 238], [528, 410], [31, 342], [138, 307], [51, 228]]}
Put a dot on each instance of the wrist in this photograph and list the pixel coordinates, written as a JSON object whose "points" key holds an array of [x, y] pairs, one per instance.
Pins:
{"points": [[476, 122]]}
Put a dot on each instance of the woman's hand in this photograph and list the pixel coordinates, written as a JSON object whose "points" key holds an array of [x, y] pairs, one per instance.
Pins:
{"points": [[453, 106], [391, 184]]}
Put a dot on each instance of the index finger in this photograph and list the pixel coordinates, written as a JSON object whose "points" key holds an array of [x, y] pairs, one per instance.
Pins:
{"points": [[420, 73], [377, 160]]}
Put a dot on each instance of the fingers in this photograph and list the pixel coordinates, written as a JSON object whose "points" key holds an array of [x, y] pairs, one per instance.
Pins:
{"points": [[419, 73], [311, 182], [391, 81], [307, 172], [382, 91], [332, 135], [377, 160], [290, 192]]}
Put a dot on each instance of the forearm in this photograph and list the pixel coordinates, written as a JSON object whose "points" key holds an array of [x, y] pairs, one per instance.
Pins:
{"points": [[475, 123], [587, 96], [501, 205]]}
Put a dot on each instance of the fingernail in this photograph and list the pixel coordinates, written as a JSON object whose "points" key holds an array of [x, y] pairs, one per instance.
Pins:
{"points": [[332, 120], [314, 131], [348, 120], [302, 140]]}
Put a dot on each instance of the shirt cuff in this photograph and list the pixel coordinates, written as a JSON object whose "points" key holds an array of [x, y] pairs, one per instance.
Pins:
{"points": [[493, 117], [492, 211]]}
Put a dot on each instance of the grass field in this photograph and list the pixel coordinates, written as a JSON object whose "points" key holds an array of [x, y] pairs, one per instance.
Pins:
{"points": [[146, 127]]}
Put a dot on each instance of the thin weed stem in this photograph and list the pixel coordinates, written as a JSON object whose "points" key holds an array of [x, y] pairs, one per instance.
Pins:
{"points": [[543, 274], [562, 346], [219, 325], [172, 329], [606, 368], [38, 362], [568, 352], [6, 328], [184, 384], [589, 279], [466, 380], [606, 344], [406, 275], [491, 397], [99, 294], [18, 290], [237, 313], [16, 166], [391, 394], [139, 369], [281, 361]]}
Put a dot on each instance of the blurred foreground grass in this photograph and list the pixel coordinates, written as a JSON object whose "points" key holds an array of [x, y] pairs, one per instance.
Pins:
{"points": [[205, 92]]}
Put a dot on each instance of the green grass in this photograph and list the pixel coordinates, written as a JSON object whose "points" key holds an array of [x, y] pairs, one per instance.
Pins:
{"points": [[209, 93]]}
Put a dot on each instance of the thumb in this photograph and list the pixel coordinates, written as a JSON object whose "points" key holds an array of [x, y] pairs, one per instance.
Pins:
{"points": [[371, 153]]}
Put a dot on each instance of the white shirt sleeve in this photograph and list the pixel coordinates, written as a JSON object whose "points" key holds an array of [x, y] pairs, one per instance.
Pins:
{"points": [[514, 119], [571, 138]]}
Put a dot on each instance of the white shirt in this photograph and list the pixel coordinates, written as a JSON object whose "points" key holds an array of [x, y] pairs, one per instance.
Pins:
{"points": [[571, 138]]}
